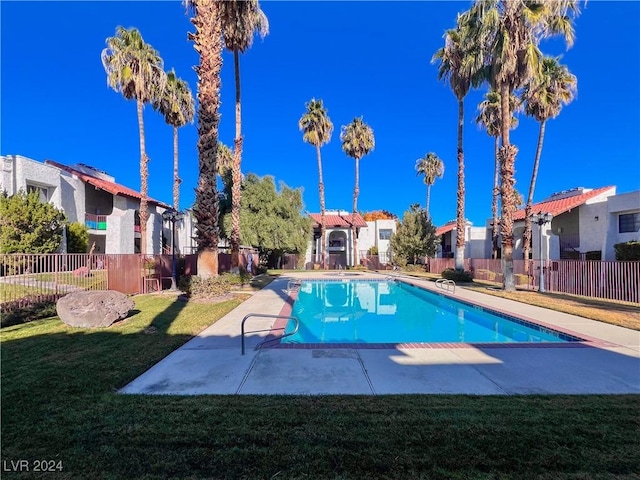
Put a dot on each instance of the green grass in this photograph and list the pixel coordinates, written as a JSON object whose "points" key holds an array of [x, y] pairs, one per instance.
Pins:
{"points": [[59, 402], [98, 278]]}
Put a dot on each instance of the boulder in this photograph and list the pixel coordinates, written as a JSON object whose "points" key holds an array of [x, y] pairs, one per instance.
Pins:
{"points": [[93, 308]]}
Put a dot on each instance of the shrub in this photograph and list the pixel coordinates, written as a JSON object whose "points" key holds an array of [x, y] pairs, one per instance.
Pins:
{"points": [[29, 313], [593, 255], [77, 238], [373, 250], [206, 287], [414, 268], [628, 251], [462, 276]]}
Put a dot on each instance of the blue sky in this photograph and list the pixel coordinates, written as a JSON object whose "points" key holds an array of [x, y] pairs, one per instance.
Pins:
{"points": [[370, 59]]}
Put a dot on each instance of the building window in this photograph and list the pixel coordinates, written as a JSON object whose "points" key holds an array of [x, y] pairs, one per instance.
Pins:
{"points": [[629, 222], [385, 233], [43, 193]]}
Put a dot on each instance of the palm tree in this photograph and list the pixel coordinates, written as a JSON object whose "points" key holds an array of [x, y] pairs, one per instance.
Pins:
{"points": [[510, 32], [431, 167], [241, 19], [543, 100], [135, 70], [460, 66], [317, 130], [177, 105], [489, 118], [357, 141], [225, 160], [208, 43]]}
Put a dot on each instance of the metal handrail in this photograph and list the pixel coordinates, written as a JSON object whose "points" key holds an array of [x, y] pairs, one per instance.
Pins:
{"points": [[442, 282], [293, 284], [264, 315]]}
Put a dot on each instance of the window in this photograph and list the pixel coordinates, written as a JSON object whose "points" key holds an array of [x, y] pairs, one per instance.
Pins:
{"points": [[385, 233], [629, 222], [43, 193]]}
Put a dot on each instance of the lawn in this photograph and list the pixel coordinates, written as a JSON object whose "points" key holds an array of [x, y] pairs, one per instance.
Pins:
{"points": [[59, 403]]}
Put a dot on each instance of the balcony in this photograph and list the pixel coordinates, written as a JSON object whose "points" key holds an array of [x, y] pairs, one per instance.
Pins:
{"points": [[95, 222]]}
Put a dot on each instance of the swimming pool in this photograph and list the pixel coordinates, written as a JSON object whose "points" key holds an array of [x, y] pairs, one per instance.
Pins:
{"points": [[363, 312]]}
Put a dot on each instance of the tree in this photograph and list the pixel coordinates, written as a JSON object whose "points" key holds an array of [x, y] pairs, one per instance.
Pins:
{"points": [[208, 43], [29, 226], [272, 220], [241, 19], [77, 238], [489, 118], [135, 70], [317, 129], [357, 141], [378, 215], [509, 32], [177, 105], [543, 98], [460, 66], [431, 167], [415, 236]]}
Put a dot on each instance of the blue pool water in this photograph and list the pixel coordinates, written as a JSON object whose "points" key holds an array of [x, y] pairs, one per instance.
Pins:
{"points": [[395, 312]]}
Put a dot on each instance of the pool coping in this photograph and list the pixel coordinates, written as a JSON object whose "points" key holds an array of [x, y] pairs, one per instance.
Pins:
{"points": [[272, 340]]}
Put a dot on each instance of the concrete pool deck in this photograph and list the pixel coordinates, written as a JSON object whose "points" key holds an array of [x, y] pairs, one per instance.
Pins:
{"points": [[211, 362]]}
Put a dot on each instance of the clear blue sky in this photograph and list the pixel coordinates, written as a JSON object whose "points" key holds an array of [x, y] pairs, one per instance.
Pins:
{"points": [[362, 58]]}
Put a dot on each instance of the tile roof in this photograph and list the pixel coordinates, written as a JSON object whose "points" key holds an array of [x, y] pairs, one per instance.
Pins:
{"points": [[111, 187], [447, 227], [557, 207], [341, 221]]}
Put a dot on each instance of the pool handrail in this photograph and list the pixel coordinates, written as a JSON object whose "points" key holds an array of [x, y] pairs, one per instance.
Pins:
{"points": [[264, 315], [444, 282]]}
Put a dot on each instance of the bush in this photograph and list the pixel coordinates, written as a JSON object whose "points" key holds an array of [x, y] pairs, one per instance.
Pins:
{"points": [[593, 255], [207, 287], [414, 268], [373, 250], [628, 251], [462, 276], [29, 313], [77, 238]]}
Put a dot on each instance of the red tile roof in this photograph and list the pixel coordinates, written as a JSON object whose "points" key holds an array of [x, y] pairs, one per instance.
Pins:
{"points": [[338, 221], [557, 207], [111, 187], [447, 227]]}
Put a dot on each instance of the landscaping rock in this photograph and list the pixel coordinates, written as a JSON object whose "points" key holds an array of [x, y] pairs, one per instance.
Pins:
{"points": [[91, 309]]}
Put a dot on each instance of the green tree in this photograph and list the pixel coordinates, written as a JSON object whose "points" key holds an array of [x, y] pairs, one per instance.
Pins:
{"points": [[272, 220], [317, 129], [415, 236], [460, 64], [77, 238], [177, 105], [489, 118], [543, 98], [208, 43], [510, 32], [135, 70], [241, 19], [28, 225], [357, 141], [431, 167]]}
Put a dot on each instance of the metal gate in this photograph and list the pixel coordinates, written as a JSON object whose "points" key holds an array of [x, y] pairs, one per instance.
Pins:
{"points": [[124, 273]]}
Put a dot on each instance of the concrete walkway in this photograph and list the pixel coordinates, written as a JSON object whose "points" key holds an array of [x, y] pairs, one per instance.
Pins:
{"points": [[211, 363]]}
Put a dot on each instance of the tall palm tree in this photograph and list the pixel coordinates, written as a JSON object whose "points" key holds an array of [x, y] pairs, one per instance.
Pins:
{"points": [[459, 65], [431, 167], [543, 99], [317, 129], [241, 19], [208, 43], [489, 118], [177, 105], [357, 141], [510, 32], [134, 68]]}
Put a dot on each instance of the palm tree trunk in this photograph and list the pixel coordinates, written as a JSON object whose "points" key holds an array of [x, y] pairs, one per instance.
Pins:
{"points": [[144, 182], [507, 183], [356, 191], [494, 201], [208, 43], [237, 176], [323, 240], [460, 223], [176, 178], [428, 199], [526, 238]]}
